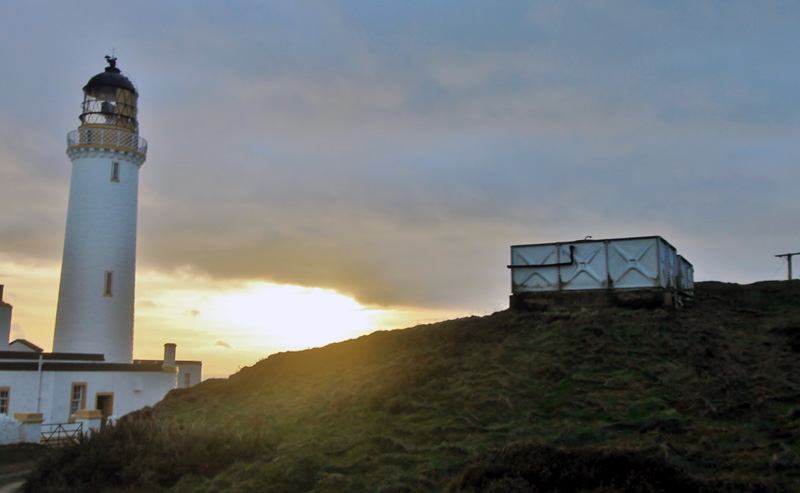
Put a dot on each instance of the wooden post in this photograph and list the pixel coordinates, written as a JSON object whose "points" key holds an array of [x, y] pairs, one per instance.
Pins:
{"points": [[788, 262]]}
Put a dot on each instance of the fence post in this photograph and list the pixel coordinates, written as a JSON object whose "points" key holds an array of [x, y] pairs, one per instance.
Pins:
{"points": [[30, 429]]}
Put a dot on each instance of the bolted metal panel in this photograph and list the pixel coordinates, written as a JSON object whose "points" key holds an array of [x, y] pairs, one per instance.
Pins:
{"points": [[635, 263], [622, 263], [588, 269], [537, 268], [685, 279]]}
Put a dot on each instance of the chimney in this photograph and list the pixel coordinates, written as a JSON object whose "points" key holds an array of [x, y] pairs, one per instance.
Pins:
{"points": [[169, 356], [5, 322]]}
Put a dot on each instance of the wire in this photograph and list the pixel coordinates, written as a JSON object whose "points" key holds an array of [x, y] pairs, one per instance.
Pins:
{"points": [[780, 267]]}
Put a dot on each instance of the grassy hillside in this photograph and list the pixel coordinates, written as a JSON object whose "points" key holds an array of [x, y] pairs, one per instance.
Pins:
{"points": [[701, 399]]}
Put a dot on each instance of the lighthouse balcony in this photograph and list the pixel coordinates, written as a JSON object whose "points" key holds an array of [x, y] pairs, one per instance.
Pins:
{"points": [[106, 137]]}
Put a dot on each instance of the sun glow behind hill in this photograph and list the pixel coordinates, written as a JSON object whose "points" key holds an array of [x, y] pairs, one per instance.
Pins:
{"points": [[293, 316], [225, 324], [233, 324]]}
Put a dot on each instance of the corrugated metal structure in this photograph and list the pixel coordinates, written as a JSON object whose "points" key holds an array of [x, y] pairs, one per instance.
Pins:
{"points": [[619, 268]]}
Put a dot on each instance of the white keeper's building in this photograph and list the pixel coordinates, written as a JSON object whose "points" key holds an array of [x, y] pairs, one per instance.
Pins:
{"points": [[91, 373]]}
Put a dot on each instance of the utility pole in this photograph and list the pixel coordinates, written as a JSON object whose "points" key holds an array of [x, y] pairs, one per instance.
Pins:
{"points": [[788, 262]]}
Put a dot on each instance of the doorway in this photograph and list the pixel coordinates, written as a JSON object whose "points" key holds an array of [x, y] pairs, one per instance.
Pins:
{"points": [[105, 403]]}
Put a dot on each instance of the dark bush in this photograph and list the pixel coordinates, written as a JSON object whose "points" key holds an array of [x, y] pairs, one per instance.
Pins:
{"points": [[526, 467], [142, 453]]}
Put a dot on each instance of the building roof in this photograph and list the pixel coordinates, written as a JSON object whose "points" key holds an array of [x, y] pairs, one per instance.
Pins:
{"points": [[29, 345]]}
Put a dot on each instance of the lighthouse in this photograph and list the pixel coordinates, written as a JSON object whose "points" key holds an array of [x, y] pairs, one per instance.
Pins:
{"points": [[90, 377], [96, 293]]}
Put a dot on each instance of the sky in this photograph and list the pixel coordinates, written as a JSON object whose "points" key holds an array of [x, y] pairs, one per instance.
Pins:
{"points": [[320, 169]]}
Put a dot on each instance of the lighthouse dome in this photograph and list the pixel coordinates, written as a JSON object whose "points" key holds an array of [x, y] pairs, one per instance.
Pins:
{"points": [[112, 76]]}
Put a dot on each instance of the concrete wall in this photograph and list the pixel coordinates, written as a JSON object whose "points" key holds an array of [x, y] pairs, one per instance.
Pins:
{"points": [[30, 428], [191, 372]]}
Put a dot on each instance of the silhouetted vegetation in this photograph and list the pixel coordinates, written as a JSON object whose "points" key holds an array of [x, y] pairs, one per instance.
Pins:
{"points": [[143, 453], [603, 400], [523, 468], [20, 453]]}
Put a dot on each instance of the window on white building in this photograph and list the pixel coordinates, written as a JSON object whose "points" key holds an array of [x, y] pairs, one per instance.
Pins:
{"points": [[77, 399], [108, 283], [4, 400], [115, 171]]}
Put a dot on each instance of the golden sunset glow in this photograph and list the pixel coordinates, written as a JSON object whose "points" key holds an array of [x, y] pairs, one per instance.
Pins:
{"points": [[32, 288], [226, 324], [230, 324], [292, 316]]}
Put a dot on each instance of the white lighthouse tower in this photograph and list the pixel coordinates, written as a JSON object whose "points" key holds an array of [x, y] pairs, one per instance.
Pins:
{"points": [[90, 377], [95, 300]]}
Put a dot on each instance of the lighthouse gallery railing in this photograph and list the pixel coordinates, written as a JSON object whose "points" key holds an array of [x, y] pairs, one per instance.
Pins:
{"points": [[106, 137]]}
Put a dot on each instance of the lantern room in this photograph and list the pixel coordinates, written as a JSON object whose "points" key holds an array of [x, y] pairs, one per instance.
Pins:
{"points": [[109, 99]]}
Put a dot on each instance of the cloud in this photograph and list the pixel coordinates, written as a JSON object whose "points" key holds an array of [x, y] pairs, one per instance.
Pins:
{"points": [[222, 344], [389, 178], [191, 313], [393, 153]]}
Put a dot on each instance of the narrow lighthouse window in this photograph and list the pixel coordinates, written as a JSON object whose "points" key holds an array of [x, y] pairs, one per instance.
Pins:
{"points": [[108, 283], [4, 391], [115, 171]]}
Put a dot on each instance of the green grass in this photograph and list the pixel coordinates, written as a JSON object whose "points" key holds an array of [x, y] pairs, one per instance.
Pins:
{"points": [[707, 398]]}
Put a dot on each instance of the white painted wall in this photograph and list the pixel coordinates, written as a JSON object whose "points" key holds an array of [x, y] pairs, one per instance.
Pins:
{"points": [[100, 236], [132, 390], [9, 429], [194, 370], [22, 393]]}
